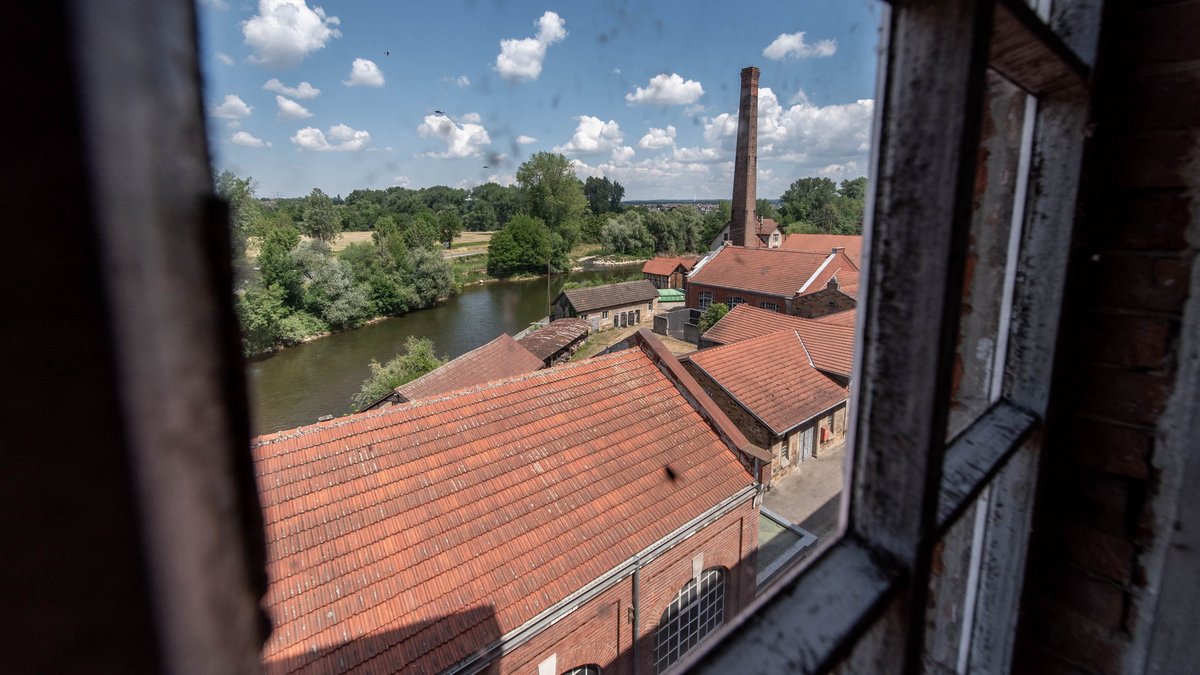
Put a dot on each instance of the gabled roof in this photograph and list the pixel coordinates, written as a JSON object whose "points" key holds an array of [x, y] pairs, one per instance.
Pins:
{"points": [[549, 339], [610, 295], [781, 397], [409, 538], [502, 357], [767, 271], [830, 346], [765, 226], [664, 266], [845, 318], [824, 243]]}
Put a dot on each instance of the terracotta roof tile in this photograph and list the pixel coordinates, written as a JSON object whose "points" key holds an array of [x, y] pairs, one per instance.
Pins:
{"points": [[611, 295], [759, 270], [846, 318], [549, 339], [830, 345], [824, 243], [665, 266], [780, 397], [404, 539], [500, 358]]}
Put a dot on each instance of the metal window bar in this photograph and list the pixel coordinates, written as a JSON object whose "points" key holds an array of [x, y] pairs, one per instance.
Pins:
{"points": [[696, 611], [861, 598]]}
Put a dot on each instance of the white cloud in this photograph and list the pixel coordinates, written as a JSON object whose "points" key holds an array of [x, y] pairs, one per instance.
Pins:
{"points": [[232, 108], [290, 110], [622, 155], [694, 155], [225, 58], [364, 73], [233, 124], [793, 46], [401, 181], [462, 81], [616, 71], [285, 31], [666, 89], [849, 169], [593, 135], [216, 4], [658, 138], [340, 138], [303, 91], [521, 59], [472, 117], [804, 133], [245, 140], [462, 140], [525, 140]]}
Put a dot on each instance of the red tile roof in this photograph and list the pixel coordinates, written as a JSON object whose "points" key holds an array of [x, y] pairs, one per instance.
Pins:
{"points": [[665, 267], [830, 345], [768, 271], [780, 397], [845, 318], [502, 357], [824, 243], [407, 538], [549, 339], [593, 298]]}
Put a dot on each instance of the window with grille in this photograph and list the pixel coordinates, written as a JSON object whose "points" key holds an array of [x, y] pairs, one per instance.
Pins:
{"points": [[590, 669], [705, 299], [694, 613], [735, 300], [770, 306]]}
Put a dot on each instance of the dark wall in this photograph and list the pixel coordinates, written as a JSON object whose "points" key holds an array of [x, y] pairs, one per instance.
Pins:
{"points": [[1095, 520]]}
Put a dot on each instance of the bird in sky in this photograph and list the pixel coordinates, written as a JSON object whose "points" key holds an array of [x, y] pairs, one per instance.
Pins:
{"points": [[387, 53], [485, 166], [438, 112]]}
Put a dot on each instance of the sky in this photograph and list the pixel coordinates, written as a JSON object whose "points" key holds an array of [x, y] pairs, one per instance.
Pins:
{"points": [[347, 95]]}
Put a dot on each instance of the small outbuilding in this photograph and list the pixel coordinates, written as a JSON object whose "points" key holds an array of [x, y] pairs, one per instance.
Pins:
{"points": [[610, 306], [556, 341]]}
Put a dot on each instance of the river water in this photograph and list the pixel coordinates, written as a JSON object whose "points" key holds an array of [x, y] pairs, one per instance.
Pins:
{"points": [[297, 385]]}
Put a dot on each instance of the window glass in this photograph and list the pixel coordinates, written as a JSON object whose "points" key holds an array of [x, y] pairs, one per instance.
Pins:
{"points": [[697, 609]]}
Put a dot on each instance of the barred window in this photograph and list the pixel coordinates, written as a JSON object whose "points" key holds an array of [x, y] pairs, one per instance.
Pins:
{"points": [[735, 300], [590, 669], [771, 306], [694, 613]]}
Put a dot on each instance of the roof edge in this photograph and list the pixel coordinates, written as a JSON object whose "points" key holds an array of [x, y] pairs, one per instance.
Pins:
{"points": [[695, 395]]}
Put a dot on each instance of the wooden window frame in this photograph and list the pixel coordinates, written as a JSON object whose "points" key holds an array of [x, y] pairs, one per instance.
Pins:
{"points": [[860, 602]]}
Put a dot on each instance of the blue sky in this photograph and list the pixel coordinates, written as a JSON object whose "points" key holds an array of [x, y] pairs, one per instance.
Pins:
{"points": [[343, 95]]}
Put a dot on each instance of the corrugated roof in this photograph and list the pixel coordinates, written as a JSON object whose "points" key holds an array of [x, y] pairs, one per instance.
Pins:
{"points": [[611, 295], [549, 339], [769, 271], [781, 397], [824, 243], [664, 266], [502, 357], [830, 345], [407, 538]]}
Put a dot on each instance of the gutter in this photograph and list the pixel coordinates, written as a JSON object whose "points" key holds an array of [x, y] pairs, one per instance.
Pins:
{"points": [[483, 658]]}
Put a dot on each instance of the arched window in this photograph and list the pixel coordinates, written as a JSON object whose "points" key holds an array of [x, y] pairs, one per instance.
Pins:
{"points": [[590, 669], [694, 613]]}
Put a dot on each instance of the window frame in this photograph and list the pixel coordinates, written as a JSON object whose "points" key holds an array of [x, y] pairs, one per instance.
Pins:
{"points": [[706, 597], [860, 602]]}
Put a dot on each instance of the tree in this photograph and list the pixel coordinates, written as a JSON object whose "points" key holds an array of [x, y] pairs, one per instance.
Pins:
{"points": [[432, 278], [421, 230], [603, 196], [551, 192], [627, 233], [712, 315], [275, 264], [503, 200], [244, 209], [854, 188], [525, 244], [260, 312], [330, 292], [449, 226], [715, 221], [481, 217], [804, 199], [763, 208], [418, 358], [321, 219]]}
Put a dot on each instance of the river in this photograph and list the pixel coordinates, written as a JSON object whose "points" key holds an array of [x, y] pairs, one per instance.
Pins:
{"points": [[297, 385]]}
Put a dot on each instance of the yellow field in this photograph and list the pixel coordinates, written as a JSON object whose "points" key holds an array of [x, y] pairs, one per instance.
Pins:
{"points": [[467, 241]]}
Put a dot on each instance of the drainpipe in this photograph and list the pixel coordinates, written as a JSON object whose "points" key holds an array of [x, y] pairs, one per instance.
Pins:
{"points": [[637, 575]]}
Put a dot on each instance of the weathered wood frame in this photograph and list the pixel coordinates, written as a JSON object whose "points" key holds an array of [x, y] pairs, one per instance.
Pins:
{"points": [[860, 603]]}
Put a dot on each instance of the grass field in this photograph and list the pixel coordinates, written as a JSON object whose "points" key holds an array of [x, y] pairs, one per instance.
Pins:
{"points": [[464, 241]]}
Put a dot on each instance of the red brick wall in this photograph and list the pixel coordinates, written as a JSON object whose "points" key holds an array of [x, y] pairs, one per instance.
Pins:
{"points": [[722, 295], [1126, 287], [600, 631]]}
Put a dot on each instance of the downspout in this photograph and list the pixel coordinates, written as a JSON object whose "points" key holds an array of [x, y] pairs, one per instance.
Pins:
{"points": [[637, 619]]}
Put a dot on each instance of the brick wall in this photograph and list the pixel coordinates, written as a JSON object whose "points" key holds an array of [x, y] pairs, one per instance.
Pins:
{"points": [[723, 295], [601, 633], [1129, 275], [821, 303]]}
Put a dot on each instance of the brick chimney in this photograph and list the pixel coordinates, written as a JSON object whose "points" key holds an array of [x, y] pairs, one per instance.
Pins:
{"points": [[743, 224]]}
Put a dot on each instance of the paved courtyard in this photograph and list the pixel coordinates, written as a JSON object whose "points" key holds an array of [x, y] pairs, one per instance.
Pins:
{"points": [[809, 495]]}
